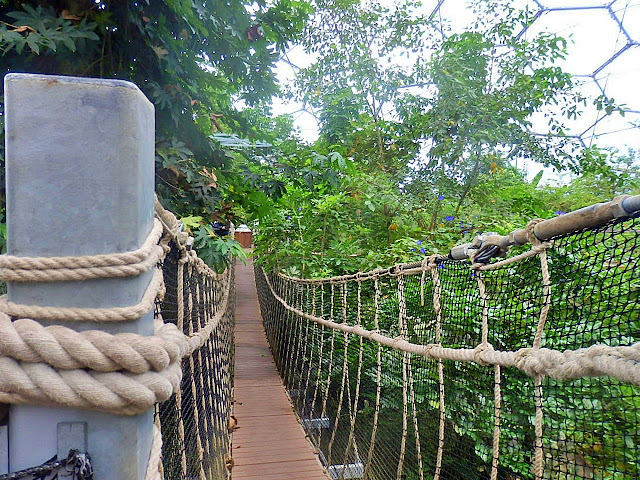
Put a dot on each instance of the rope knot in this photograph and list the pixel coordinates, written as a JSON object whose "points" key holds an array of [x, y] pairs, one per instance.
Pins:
{"points": [[527, 360], [535, 241], [479, 351], [540, 246], [428, 348]]}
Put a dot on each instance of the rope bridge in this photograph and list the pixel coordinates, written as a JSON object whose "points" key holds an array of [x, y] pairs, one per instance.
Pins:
{"points": [[183, 369], [522, 368]]}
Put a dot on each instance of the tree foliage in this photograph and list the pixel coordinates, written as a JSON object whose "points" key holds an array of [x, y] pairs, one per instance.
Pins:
{"points": [[434, 127], [194, 61]]}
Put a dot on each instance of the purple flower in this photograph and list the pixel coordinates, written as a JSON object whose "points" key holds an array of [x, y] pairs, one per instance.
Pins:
{"points": [[299, 209], [559, 212], [440, 197], [288, 218], [422, 250], [449, 218], [419, 242]]}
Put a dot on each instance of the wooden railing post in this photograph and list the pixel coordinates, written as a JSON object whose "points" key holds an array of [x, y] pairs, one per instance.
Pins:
{"points": [[80, 181]]}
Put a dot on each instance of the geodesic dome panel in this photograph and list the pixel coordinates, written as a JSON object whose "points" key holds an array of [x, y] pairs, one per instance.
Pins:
{"points": [[603, 55]]}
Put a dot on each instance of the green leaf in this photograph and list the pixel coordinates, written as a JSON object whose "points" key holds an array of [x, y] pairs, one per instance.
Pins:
{"points": [[192, 221], [32, 40]]}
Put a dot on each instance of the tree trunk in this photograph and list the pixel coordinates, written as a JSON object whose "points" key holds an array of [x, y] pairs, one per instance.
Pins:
{"points": [[468, 184]]}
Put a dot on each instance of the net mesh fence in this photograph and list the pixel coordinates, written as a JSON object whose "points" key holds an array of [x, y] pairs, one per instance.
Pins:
{"points": [[194, 421], [523, 369]]}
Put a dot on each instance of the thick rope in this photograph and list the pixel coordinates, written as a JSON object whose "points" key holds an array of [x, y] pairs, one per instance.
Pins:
{"points": [[56, 269], [60, 347], [130, 372], [115, 392], [622, 362], [111, 392], [154, 290]]}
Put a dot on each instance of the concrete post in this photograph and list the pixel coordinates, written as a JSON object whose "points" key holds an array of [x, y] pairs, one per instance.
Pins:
{"points": [[80, 181]]}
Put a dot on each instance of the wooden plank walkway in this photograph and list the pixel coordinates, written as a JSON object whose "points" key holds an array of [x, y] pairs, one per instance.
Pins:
{"points": [[268, 443]]}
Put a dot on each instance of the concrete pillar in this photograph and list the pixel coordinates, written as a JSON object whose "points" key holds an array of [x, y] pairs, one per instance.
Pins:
{"points": [[80, 181]]}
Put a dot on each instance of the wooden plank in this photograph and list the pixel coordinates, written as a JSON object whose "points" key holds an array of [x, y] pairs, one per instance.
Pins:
{"points": [[268, 443]]}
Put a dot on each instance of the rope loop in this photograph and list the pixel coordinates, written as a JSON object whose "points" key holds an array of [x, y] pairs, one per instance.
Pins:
{"points": [[155, 290], [531, 236]]}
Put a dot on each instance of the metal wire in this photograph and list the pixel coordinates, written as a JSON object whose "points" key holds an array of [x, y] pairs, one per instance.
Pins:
{"points": [[77, 466]]}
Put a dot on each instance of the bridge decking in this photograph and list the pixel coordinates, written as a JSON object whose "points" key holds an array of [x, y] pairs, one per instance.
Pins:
{"points": [[269, 443]]}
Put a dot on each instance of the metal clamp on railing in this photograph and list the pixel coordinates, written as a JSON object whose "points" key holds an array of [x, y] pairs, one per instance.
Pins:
{"points": [[491, 245]]}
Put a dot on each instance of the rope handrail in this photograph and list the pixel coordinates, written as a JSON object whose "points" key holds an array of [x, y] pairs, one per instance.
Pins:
{"points": [[518, 330], [622, 362]]}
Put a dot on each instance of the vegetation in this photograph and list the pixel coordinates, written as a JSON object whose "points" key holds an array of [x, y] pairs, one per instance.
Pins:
{"points": [[429, 144], [421, 134], [195, 62]]}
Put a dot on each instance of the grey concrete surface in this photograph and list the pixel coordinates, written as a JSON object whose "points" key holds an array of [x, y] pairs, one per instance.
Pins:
{"points": [[80, 181]]}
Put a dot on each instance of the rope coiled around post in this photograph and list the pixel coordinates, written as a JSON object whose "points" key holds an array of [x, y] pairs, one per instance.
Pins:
{"points": [[123, 374], [55, 269]]}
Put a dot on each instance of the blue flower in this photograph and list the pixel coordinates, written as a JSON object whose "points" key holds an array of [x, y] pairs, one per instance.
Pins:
{"points": [[440, 197], [440, 266], [299, 209], [288, 218], [559, 212], [419, 242], [413, 249], [449, 218], [422, 250]]}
